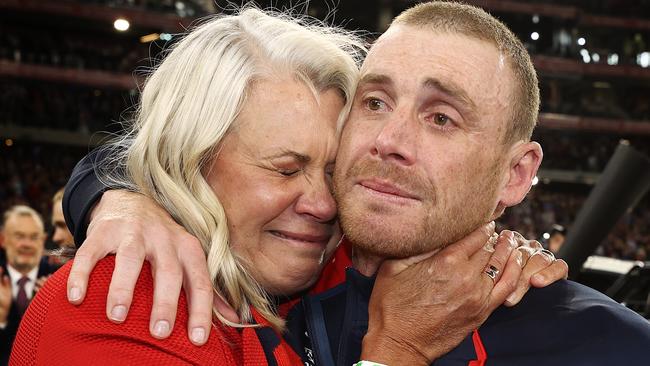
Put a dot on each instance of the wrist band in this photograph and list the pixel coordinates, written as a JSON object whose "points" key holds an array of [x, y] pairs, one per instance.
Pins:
{"points": [[368, 363]]}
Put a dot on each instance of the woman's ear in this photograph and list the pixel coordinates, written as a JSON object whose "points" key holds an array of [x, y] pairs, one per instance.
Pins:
{"points": [[524, 163]]}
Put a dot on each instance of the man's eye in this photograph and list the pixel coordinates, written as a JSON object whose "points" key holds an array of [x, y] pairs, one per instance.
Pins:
{"points": [[441, 119], [375, 104]]}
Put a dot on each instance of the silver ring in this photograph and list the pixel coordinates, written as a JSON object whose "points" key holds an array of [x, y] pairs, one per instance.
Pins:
{"points": [[548, 253], [492, 272]]}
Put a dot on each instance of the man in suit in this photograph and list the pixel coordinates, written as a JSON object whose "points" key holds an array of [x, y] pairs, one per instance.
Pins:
{"points": [[24, 236]]}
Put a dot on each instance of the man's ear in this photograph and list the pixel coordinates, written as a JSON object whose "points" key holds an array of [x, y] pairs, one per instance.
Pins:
{"points": [[524, 162]]}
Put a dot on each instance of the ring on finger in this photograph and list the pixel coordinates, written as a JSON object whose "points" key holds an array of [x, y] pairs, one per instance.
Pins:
{"points": [[492, 272], [548, 254]]}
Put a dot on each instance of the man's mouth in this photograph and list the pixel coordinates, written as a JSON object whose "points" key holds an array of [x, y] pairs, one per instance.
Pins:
{"points": [[384, 187]]}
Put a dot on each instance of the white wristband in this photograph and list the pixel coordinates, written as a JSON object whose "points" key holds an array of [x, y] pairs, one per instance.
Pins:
{"points": [[368, 363]]}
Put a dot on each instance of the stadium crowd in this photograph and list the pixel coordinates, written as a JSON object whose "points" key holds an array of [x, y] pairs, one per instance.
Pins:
{"points": [[70, 108]]}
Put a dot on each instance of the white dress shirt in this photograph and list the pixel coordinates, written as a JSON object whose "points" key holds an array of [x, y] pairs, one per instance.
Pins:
{"points": [[15, 276]]}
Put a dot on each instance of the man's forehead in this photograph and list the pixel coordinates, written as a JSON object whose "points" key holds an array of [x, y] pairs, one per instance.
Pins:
{"points": [[471, 67], [22, 223]]}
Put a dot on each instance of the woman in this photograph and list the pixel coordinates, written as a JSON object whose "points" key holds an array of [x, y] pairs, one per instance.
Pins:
{"points": [[240, 121]]}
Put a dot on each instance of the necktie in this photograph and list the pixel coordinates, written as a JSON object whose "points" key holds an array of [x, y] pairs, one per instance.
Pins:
{"points": [[21, 299]]}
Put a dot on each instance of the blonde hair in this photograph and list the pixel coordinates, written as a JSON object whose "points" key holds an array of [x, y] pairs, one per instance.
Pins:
{"points": [[22, 211], [471, 21], [190, 102]]}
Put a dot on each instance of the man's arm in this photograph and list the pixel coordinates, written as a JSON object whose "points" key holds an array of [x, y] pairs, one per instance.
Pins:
{"points": [[82, 192]]}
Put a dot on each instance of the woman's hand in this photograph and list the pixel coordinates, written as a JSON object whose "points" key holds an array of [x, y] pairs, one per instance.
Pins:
{"points": [[424, 306], [136, 228], [541, 268]]}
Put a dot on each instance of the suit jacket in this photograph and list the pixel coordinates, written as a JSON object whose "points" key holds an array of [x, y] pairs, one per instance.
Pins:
{"points": [[8, 334]]}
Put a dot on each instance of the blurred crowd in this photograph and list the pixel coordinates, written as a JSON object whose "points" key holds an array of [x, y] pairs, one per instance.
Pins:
{"points": [[30, 174], [598, 99], [28, 45], [182, 8], [547, 206], [582, 151], [64, 107]]}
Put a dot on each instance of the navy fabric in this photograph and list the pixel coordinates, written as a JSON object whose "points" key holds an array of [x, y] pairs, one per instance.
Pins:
{"points": [[563, 324], [82, 191]]}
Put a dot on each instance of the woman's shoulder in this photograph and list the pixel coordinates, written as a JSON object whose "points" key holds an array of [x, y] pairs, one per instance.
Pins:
{"points": [[56, 332]]}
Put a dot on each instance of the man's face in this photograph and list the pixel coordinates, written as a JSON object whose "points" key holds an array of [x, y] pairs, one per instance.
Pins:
{"points": [[24, 242], [62, 236], [420, 162]]}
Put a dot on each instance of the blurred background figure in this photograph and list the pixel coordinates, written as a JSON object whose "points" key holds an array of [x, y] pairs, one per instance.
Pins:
{"points": [[61, 236], [556, 238], [24, 243]]}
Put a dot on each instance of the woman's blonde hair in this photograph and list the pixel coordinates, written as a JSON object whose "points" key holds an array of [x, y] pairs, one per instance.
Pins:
{"points": [[190, 102]]}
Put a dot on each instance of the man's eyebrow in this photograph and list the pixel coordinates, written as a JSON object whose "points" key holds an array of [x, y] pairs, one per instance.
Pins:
{"points": [[452, 91], [301, 158], [372, 78]]}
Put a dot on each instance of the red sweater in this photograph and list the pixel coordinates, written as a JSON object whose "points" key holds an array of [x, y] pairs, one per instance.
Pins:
{"points": [[54, 332]]}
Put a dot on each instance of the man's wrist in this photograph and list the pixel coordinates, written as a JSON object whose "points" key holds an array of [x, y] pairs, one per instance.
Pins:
{"points": [[384, 349], [368, 363]]}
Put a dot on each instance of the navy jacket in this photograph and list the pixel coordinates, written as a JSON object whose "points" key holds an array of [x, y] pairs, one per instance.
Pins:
{"points": [[563, 324]]}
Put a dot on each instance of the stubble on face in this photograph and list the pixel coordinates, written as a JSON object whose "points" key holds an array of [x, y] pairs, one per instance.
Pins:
{"points": [[445, 213]]}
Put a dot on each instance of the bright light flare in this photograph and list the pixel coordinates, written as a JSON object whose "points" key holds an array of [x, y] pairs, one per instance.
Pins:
{"points": [[121, 24]]}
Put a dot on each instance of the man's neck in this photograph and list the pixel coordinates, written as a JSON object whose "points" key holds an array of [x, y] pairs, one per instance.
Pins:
{"points": [[367, 264]]}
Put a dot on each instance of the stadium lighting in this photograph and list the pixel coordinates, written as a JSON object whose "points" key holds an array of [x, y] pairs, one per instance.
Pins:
{"points": [[546, 236], [643, 59], [535, 181], [595, 57], [585, 56], [582, 41], [121, 24], [612, 59], [149, 38], [534, 36], [535, 19]]}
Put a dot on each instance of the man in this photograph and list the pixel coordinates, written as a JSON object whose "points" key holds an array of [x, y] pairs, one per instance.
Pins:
{"points": [[24, 242], [437, 144], [427, 156], [61, 236]]}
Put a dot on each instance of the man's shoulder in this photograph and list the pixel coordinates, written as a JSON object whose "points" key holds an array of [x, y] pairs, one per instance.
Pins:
{"points": [[569, 323]]}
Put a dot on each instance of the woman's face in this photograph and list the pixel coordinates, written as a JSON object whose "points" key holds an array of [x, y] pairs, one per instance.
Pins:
{"points": [[273, 175]]}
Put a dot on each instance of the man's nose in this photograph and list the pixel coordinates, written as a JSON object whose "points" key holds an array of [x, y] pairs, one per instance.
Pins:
{"points": [[397, 139]]}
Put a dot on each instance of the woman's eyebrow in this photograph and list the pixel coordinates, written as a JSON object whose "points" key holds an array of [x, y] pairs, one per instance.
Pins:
{"points": [[301, 158]]}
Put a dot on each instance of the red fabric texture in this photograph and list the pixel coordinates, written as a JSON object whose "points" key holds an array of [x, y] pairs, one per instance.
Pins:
{"points": [[54, 332]]}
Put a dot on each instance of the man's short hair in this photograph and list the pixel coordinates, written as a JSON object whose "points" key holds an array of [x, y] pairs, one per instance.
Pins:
{"points": [[22, 211], [58, 196], [470, 21]]}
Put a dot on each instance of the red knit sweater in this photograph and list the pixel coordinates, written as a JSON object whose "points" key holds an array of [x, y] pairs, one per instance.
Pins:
{"points": [[54, 332]]}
